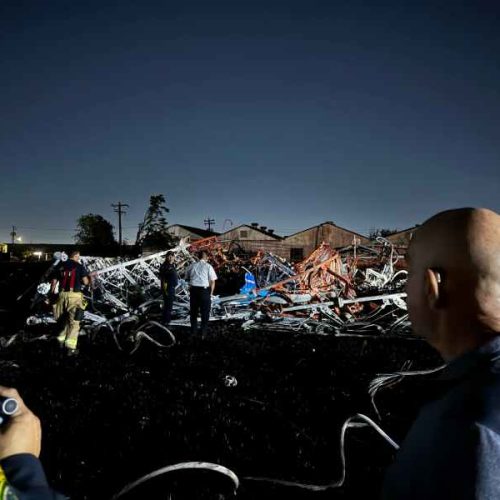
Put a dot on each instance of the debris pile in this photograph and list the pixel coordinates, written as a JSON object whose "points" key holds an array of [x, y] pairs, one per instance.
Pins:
{"points": [[354, 291], [334, 292]]}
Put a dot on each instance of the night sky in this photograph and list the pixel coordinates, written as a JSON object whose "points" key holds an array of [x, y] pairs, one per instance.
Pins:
{"points": [[287, 113]]}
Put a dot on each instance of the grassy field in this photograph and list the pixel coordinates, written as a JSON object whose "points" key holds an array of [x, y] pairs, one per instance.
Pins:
{"points": [[110, 417]]}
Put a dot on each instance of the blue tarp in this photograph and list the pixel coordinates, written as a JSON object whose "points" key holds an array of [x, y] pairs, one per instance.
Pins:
{"points": [[250, 286]]}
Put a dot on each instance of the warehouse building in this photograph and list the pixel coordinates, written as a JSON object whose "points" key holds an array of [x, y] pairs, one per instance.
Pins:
{"points": [[402, 238], [300, 245], [189, 233], [255, 237]]}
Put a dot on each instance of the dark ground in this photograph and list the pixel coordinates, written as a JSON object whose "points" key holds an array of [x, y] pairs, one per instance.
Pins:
{"points": [[109, 417]]}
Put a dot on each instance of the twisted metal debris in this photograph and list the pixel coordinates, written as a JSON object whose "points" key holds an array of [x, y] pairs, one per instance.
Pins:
{"points": [[331, 292], [354, 291]]}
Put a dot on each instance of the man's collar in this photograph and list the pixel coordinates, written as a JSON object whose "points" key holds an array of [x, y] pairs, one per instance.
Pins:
{"points": [[485, 355]]}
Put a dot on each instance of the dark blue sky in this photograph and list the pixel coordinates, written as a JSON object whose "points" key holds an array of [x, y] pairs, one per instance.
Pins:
{"points": [[289, 113]]}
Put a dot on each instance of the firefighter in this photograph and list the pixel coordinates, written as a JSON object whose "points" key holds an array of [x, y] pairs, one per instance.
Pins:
{"points": [[72, 276]]}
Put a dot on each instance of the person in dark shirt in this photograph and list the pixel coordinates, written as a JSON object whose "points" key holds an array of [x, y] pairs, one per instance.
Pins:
{"points": [[72, 276], [21, 475], [452, 451], [169, 280]]}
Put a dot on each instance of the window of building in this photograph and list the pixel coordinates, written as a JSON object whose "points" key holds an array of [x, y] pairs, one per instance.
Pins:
{"points": [[243, 234], [296, 254]]}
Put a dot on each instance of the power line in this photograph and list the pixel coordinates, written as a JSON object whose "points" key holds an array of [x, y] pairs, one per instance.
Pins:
{"points": [[208, 222], [118, 208]]}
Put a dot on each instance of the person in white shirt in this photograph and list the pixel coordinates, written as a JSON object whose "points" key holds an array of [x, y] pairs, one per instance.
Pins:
{"points": [[201, 277]]}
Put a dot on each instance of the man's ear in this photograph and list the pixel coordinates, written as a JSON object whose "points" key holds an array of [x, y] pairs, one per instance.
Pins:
{"points": [[433, 290]]}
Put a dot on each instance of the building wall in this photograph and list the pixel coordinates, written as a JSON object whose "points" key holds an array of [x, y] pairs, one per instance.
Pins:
{"points": [[273, 246], [246, 233], [310, 239], [252, 241], [403, 238], [180, 232]]}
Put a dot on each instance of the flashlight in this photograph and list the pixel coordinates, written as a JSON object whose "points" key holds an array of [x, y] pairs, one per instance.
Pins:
{"points": [[8, 406]]}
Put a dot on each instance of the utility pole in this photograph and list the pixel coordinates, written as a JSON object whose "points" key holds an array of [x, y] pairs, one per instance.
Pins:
{"points": [[13, 234], [208, 222], [118, 208]]}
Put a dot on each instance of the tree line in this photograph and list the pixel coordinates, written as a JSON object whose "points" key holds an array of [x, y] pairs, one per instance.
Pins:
{"points": [[95, 230]]}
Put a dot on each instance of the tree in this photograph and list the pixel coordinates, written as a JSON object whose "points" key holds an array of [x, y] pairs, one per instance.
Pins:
{"points": [[383, 232], [93, 229], [153, 229]]}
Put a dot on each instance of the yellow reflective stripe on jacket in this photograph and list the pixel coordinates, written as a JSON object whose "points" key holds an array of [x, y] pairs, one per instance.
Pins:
{"points": [[71, 343], [3, 484], [6, 492]]}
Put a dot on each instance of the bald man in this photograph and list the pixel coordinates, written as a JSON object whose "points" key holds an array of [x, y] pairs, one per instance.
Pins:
{"points": [[453, 449]]}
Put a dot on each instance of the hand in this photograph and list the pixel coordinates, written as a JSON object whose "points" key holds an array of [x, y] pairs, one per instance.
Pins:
{"points": [[23, 432]]}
